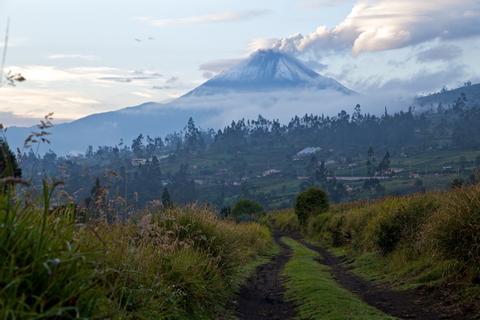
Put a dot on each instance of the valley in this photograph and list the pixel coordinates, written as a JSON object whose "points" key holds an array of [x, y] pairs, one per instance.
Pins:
{"points": [[240, 160]]}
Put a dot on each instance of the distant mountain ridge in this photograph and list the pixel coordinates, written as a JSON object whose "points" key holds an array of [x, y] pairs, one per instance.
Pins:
{"points": [[448, 97], [268, 79]]}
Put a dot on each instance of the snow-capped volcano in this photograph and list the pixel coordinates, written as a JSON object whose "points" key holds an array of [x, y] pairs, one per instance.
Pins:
{"points": [[267, 70], [269, 83]]}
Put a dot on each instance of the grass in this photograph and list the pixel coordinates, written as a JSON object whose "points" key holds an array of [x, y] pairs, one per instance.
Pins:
{"points": [[181, 263], [430, 239], [284, 220], [317, 295]]}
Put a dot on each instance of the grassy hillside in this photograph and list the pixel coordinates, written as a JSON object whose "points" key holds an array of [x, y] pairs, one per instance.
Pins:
{"points": [[428, 239], [174, 264]]}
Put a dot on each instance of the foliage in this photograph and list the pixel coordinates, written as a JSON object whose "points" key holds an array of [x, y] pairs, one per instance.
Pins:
{"points": [[42, 271], [247, 209], [213, 166], [311, 202], [455, 228], [422, 238], [284, 220], [8, 163], [166, 200], [177, 264]]}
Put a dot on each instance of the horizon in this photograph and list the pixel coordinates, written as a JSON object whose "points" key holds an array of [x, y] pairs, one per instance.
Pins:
{"points": [[72, 71]]}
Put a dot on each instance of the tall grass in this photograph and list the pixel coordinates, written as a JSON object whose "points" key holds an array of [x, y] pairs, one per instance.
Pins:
{"points": [[179, 264], [427, 237], [42, 271]]}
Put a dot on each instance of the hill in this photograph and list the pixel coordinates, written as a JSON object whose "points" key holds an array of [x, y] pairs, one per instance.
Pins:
{"points": [[471, 92], [267, 80]]}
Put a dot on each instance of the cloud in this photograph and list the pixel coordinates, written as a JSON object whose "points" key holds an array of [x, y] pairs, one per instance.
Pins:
{"points": [[315, 4], [222, 17], [216, 66], [378, 25], [10, 119], [219, 110], [81, 100], [142, 94], [75, 92], [208, 75], [315, 65], [162, 87], [262, 43], [22, 106], [443, 52], [171, 80], [60, 56], [424, 81], [128, 77]]}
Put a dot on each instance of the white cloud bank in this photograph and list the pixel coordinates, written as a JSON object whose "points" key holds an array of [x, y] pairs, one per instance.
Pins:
{"points": [[377, 25], [72, 56]]}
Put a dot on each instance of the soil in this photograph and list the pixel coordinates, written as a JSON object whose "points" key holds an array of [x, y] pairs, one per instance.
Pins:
{"points": [[262, 296]]}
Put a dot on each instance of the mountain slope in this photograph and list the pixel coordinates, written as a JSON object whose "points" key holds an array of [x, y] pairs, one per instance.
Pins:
{"points": [[448, 97], [268, 83], [267, 70]]}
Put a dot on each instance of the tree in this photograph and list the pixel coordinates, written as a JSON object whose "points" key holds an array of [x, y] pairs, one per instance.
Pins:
{"points": [[137, 146], [311, 202], [312, 167], [370, 162], [193, 137], [462, 163], [321, 174], [166, 200], [457, 183], [8, 162], [385, 163], [225, 212], [247, 209], [477, 161], [357, 116]]}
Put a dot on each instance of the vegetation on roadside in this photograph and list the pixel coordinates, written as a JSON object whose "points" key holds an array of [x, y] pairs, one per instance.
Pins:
{"points": [[247, 210], [169, 264], [317, 295], [309, 203], [424, 239]]}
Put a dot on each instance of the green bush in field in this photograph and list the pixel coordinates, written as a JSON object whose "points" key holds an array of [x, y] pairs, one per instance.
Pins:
{"points": [[310, 202], [455, 228], [400, 220], [285, 220], [247, 210]]}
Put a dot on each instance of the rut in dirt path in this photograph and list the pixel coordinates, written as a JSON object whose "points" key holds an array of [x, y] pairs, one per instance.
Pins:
{"points": [[262, 296], [411, 304]]}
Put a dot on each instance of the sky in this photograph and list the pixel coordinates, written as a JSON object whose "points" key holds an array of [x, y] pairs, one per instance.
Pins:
{"points": [[90, 56]]}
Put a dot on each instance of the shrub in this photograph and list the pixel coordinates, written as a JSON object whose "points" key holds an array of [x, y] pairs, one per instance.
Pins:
{"points": [[247, 210], [399, 220], [8, 163], [311, 202], [285, 220], [455, 228], [177, 264], [42, 271]]}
